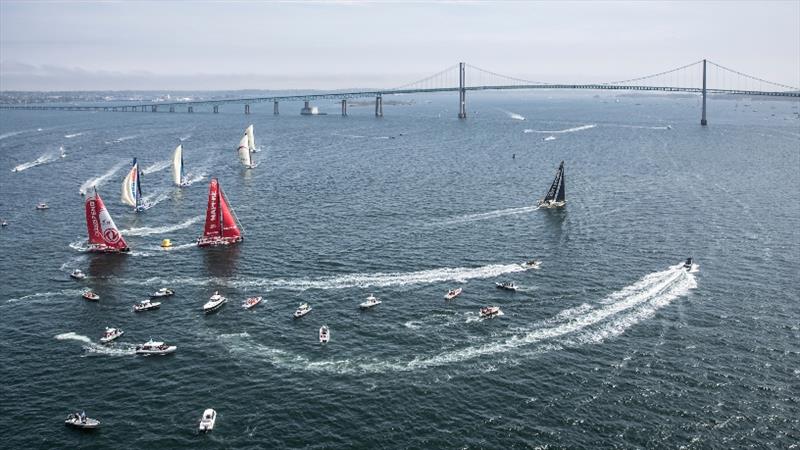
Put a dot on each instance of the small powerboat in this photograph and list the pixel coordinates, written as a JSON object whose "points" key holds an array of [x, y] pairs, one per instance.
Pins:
{"points": [[532, 264], [452, 293], [91, 296], [146, 305], [5, 224], [214, 303], [110, 335], [490, 311], [251, 302], [208, 420], [79, 420], [324, 334], [370, 302], [302, 310], [688, 264], [152, 347], [507, 285], [42, 205], [163, 292], [77, 274]]}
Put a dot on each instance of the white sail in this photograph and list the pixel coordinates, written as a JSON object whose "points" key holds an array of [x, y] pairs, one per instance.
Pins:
{"points": [[129, 187], [177, 165], [244, 152], [251, 138]]}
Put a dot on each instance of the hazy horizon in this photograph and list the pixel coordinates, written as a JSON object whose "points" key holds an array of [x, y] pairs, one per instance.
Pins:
{"points": [[215, 46]]}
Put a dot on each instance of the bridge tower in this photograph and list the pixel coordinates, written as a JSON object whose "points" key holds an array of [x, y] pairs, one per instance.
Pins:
{"points": [[344, 107], [462, 92], [379, 105], [703, 120], [275, 107], [216, 109], [247, 108]]}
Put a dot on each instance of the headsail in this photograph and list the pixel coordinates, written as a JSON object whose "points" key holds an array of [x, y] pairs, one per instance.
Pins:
{"points": [[251, 138], [556, 195], [103, 233], [178, 175], [221, 226], [561, 195], [244, 152], [131, 188]]}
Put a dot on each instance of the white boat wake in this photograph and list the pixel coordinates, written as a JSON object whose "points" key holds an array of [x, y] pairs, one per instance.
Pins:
{"points": [[92, 347], [70, 136], [125, 138], [487, 215], [161, 165], [194, 177], [98, 181], [573, 327], [568, 130], [155, 198], [44, 159], [12, 134], [512, 115], [362, 280], [147, 231]]}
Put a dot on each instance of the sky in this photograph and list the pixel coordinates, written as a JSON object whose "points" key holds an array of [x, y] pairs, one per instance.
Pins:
{"points": [[198, 45]]}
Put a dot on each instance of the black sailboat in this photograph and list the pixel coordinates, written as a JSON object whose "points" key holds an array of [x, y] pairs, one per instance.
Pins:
{"points": [[556, 196]]}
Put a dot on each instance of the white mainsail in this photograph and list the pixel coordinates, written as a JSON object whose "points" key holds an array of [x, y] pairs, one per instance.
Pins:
{"points": [[251, 138], [129, 187], [177, 165], [244, 152]]}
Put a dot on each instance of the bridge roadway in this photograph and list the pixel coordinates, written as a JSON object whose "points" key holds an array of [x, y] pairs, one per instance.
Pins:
{"points": [[154, 106]]}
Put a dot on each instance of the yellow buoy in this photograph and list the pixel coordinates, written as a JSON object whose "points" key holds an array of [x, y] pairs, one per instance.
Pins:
{"points": [[166, 243]]}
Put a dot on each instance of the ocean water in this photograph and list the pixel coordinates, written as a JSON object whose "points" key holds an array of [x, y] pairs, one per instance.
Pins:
{"points": [[608, 344]]}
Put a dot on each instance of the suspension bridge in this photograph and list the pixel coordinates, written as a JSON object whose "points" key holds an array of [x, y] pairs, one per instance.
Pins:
{"points": [[697, 77]]}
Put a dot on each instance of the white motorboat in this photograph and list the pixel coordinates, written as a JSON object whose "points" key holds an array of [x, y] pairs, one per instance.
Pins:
{"points": [[370, 302], [78, 274], [532, 264], [490, 311], [42, 205], [111, 334], [91, 296], [146, 305], [208, 420], [214, 303], [79, 420], [324, 334], [302, 310], [152, 347], [452, 293], [251, 302], [163, 292], [507, 285], [688, 264]]}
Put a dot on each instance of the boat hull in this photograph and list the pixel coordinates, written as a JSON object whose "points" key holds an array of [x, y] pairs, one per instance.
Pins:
{"points": [[211, 307], [171, 349], [551, 204], [214, 242]]}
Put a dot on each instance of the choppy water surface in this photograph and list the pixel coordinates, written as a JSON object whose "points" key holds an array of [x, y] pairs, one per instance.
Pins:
{"points": [[609, 344]]}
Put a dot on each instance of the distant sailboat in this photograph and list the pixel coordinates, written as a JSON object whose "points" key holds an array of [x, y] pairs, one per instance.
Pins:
{"points": [[178, 173], [132, 188], [221, 226], [245, 155], [104, 235], [555, 197]]}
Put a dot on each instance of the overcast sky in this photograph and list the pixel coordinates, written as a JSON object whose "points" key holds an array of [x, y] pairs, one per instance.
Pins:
{"points": [[70, 45]]}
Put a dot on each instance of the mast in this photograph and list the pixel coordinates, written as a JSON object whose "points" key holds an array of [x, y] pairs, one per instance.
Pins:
{"points": [[551, 193]]}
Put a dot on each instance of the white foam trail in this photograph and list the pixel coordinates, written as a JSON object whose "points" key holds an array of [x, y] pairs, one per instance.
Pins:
{"points": [[583, 325], [70, 136], [512, 115], [362, 280], [153, 199], [194, 177], [488, 215], [80, 245], [73, 336], [183, 138], [98, 181], [147, 231], [44, 159], [549, 138], [12, 134], [45, 295], [161, 165], [125, 138], [568, 130]]}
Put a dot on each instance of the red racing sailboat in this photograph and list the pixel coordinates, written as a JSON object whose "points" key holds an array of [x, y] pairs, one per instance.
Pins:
{"points": [[221, 224], [104, 236]]}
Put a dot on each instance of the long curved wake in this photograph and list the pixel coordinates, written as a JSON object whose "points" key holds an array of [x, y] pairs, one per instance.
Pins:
{"points": [[98, 181], [579, 326], [44, 159], [147, 231], [568, 130], [156, 167], [93, 347], [487, 215]]}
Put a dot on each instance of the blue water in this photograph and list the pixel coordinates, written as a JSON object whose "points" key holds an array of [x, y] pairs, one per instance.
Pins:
{"points": [[609, 344]]}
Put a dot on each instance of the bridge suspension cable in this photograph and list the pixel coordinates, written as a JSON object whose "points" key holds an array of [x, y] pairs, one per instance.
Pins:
{"points": [[655, 75], [498, 79], [441, 79], [760, 80]]}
